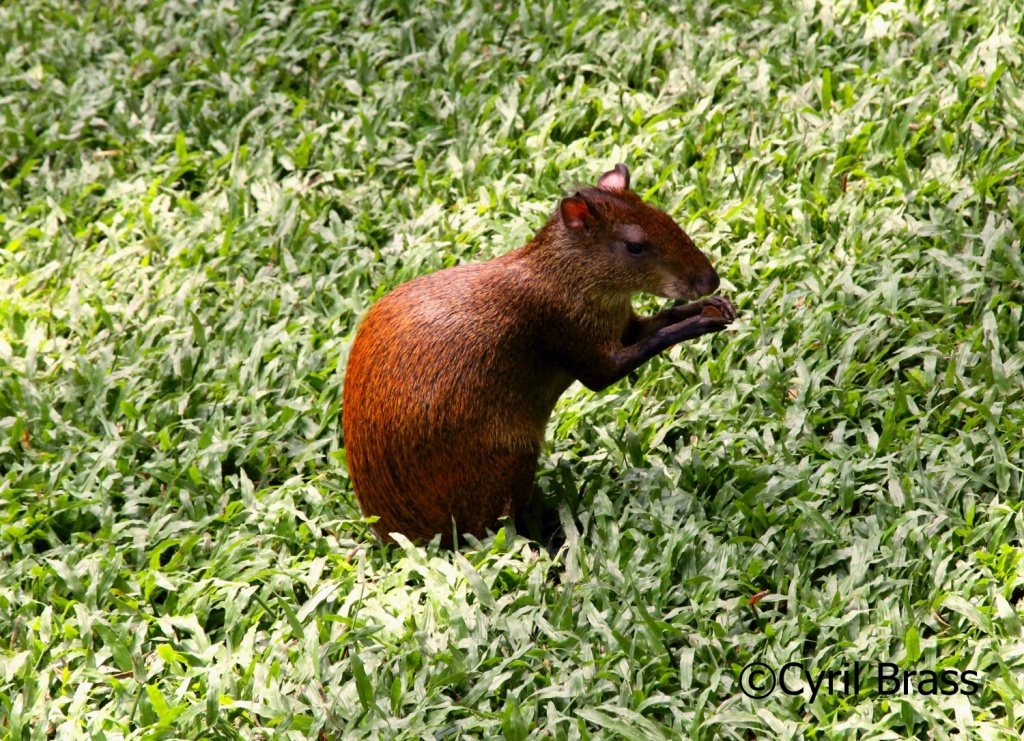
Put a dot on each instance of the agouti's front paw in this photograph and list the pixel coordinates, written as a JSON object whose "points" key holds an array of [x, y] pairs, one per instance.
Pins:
{"points": [[718, 307]]}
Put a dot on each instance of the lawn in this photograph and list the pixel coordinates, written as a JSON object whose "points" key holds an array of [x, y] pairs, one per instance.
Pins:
{"points": [[200, 200]]}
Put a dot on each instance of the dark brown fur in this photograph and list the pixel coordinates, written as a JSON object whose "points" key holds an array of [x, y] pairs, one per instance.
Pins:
{"points": [[452, 377]]}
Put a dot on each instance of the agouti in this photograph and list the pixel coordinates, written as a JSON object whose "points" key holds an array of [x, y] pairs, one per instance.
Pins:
{"points": [[452, 376]]}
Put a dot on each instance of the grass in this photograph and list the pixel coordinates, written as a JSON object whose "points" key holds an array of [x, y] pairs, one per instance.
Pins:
{"points": [[198, 201]]}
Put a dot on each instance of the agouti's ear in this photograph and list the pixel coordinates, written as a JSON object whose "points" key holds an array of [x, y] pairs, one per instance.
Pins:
{"points": [[576, 212], [617, 179]]}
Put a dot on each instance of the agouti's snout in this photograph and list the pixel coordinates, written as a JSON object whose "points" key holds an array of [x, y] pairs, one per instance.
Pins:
{"points": [[707, 282], [452, 376]]}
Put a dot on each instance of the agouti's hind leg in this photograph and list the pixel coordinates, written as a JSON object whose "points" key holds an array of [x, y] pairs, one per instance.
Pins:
{"points": [[501, 485]]}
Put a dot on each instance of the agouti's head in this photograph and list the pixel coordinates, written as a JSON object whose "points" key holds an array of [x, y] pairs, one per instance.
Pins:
{"points": [[635, 247]]}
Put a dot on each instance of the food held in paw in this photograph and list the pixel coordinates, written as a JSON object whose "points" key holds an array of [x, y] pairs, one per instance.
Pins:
{"points": [[712, 311]]}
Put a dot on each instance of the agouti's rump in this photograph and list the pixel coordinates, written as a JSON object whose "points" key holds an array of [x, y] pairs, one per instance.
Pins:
{"points": [[452, 376]]}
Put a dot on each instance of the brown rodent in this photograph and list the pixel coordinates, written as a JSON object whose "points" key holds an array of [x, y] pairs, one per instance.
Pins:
{"points": [[452, 376]]}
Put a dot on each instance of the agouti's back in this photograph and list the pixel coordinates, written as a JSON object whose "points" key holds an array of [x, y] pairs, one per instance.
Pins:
{"points": [[452, 376]]}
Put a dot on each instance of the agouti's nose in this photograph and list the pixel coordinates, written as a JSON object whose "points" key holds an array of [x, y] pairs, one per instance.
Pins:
{"points": [[707, 282]]}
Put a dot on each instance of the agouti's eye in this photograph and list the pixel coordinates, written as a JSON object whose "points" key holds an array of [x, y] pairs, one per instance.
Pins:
{"points": [[636, 248]]}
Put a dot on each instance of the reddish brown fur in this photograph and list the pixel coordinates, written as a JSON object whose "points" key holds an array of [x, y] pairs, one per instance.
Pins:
{"points": [[452, 377]]}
